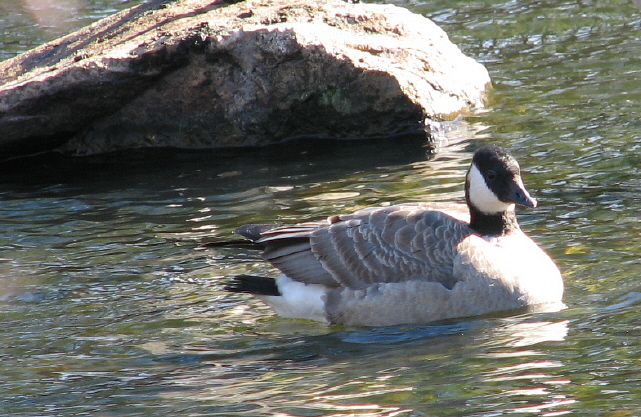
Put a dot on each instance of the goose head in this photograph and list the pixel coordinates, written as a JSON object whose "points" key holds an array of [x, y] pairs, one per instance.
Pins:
{"points": [[493, 187]]}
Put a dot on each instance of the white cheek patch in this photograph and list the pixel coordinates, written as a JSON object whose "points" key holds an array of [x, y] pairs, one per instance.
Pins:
{"points": [[482, 197]]}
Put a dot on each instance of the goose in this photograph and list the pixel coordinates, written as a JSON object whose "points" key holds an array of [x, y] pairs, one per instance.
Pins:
{"points": [[410, 263]]}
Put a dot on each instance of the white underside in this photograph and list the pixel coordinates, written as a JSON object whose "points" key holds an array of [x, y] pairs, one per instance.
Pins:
{"points": [[298, 300]]}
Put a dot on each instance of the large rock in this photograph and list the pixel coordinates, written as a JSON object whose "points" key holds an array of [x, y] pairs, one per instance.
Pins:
{"points": [[203, 73]]}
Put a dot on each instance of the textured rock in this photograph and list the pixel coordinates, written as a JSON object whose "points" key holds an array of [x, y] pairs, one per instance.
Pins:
{"points": [[202, 74]]}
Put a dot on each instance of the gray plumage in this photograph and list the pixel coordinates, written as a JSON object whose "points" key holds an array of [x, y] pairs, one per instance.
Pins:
{"points": [[414, 263]]}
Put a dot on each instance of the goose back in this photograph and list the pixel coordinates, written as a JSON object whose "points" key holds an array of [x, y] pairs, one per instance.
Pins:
{"points": [[375, 245]]}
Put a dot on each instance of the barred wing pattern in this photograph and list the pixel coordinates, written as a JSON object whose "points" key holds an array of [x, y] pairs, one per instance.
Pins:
{"points": [[412, 242]]}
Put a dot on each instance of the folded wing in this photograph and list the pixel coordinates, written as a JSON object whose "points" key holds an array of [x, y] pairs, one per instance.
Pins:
{"points": [[375, 245]]}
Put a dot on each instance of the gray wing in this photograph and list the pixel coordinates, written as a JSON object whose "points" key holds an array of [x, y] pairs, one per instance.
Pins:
{"points": [[288, 248], [375, 245]]}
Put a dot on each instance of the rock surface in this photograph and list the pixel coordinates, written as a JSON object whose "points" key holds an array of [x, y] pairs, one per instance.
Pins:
{"points": [[205, 73]]}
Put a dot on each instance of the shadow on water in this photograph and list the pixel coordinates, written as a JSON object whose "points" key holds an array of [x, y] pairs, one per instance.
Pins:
{"points": [[332, 158]]}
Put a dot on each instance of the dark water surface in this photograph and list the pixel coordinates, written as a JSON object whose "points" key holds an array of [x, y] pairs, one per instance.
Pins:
{"points": [[110, 305]]}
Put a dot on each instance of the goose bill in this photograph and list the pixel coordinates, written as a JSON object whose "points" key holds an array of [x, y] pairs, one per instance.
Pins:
{"points": [[519, 194]]}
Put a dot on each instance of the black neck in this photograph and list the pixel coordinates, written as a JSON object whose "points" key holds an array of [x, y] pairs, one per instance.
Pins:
{"points": [[499, 224]]}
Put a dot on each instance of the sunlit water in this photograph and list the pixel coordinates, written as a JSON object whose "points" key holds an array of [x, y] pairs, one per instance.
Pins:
{"points": [[111, 302]]}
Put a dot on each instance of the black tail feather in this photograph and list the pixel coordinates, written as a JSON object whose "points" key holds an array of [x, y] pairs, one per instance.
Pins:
{"points": [[253, 232], [232, 243], [253, 284]]}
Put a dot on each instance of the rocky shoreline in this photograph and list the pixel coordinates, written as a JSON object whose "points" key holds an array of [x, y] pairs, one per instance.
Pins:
{"points": [[205, 74]]}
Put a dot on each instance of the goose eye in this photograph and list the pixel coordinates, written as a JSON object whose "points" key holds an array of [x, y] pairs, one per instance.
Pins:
{"points": [[491, 175]]}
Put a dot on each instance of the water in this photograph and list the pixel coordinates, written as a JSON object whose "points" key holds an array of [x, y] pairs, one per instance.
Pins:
{"points": [[111, 303], [25, 24]]}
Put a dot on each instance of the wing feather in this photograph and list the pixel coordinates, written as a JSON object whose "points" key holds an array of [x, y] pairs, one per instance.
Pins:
{"points": [[288, 248], [374, 245], [391, 244]]}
